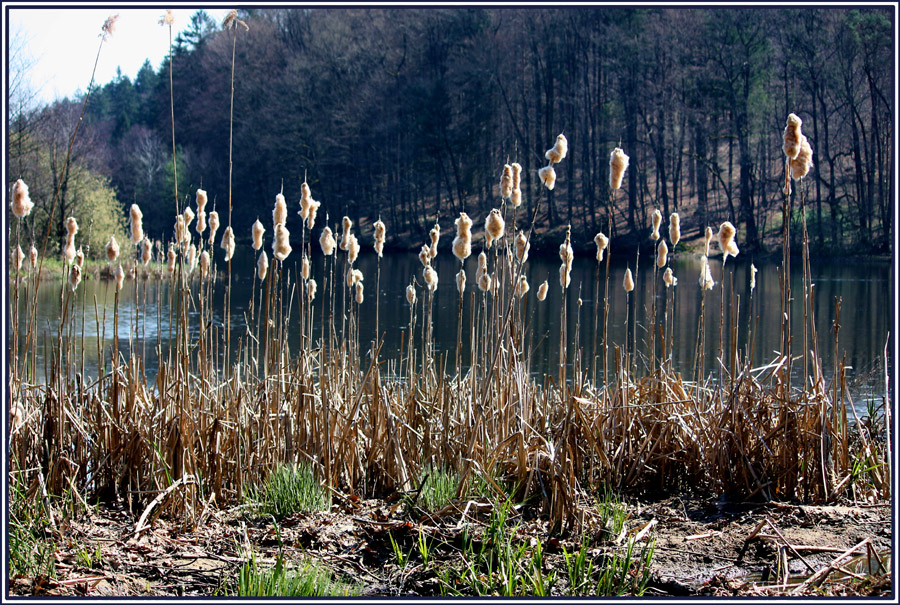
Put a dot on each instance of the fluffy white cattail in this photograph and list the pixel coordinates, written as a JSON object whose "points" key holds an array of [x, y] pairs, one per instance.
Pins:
{"points": [[137, 224], [281, 247], [345, 236], [74, 276], [313, 211], [311, 287], [516, 175], [435, 235], [201, 222], [516, 198], [352, 249], [213, 226], [353, 277], [753, 271], [506, 184], [558, 152], [618, 164], [662, 253], [462, 243], [359, 292], [674, 229], [522, 286], [522, 246], [79, 257], [170, 260], [726, 239], [669, 278], [188, 217], [262, 265], [327, 242], [112, 249], [71, 226], [228, 243], [201, 200], [803, 162], [706, 279], [542, 291], [279, 213], [379, 237], [179, 229], [628, 283], [69, 249], [120, 277], [192, 258], [305, 200], [431, 278], [707, 239], [657, 221], [411, 294], [33, 255], [565, 276], [258, 231], [18, 257], [792, 136], [494, 226], [566, 254], [484, 281], [146, 251], [548, 177], [304, 267], [602, 242], [461, 282], [204, 263], [482, 261], [425, 255], [21, 204]]}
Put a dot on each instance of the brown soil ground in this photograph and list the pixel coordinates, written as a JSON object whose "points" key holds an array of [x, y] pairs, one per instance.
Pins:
{"points": [[702, 548]]}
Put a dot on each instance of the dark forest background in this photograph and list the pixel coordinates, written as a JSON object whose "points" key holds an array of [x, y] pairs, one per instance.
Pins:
{"points": [[410, 114]]}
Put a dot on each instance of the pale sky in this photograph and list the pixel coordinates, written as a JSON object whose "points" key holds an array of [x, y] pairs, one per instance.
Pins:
{"points": [[62, 42]]}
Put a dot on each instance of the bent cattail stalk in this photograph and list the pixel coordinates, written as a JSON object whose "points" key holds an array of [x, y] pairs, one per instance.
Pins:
{"points": [[662, 253], [137, 224], [112, 249], [548, 177], [628, 282], [522, 247], [602, 242], [281, 247], [279, 213], [674, 229], [379, 237], [228, 243], [494, 227], [558, 152], [461, 282], [726, 239], [506, 182], [21, 204], [618, 164], [669, 278], [462, 243], [327, 242], [542, 291], [213, 226], [657, 221], [262, 265], [258, 231]]}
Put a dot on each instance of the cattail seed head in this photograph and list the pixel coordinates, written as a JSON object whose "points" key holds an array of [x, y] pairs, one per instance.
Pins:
{"points": [[548, 177], [674, 229], [542, 291], [669, 278], [565, 277], [494, 226], [33, 254], [281, 247], [137, 226], [657, 221], [345, 236], [191, 258], [522, 246], [353, 249], [179, 229], [311, 287], [74, 276], [327, 242], [803, 162], [482, 261], [662, 253], [484, 281], [618, 164], [707, 239], [213, 226], [516, 175], [79, 257], [602, 242], [706, 279], [279, 213], [379, 237], [304, 267], [120, 277], [201, 200], [461, 282], [359, 292], [425, 255], [69, 249], [112, 249], [262, 265], [313, 211], [435, 235], [411, 294], [516, 198], [354, 276], [566, 255], [431, 278], [726, 239], [146, 251], [305, 200], [628, 283], [462, 243], [188, 217], [753, 271], [228, 243], [21, 204], [71, 226], [559, 150], [792, 136], [170, 260], [522, 286], [18, 257], [258, 231], [201, 222], [204, 263], [506, 184]]}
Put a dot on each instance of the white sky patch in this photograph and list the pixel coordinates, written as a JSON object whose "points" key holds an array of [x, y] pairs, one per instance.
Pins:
{"points": [[62, 43]]}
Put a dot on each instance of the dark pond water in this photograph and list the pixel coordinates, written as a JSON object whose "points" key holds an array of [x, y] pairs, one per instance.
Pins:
{"points": [[863, 287]]}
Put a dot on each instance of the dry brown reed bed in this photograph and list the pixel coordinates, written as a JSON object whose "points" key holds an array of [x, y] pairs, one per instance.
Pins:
{"points": [[372, 421]]}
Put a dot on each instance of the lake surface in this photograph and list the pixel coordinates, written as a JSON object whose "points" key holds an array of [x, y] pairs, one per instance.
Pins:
{"points": [[862, 286]]}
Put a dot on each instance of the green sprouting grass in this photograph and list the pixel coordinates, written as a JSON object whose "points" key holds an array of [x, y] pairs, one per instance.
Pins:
{"points": [[289, 489], [308, 580], [31, 546]]}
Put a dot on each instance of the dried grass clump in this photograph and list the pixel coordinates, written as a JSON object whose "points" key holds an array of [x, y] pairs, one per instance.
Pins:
{"points": [[327, 242], [137, 224], [669, 278], [228, 242], [411, 294], [461, 281], [262, 265], [557, 153], [657, 221], [74, 276], [548, 177], [258, 231], [380, 231], [662, 253], [112, 249], [674, 229], [522, 247], [602, 242], [542, 291], [522, 287], [494, 227], [628, 282], [279, 212], [706, 279], [506, 185], [21, 204], [618, 164], [281, 247], [213, 226], [462, 243], [120, 277], [726, 239]]}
